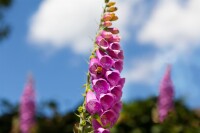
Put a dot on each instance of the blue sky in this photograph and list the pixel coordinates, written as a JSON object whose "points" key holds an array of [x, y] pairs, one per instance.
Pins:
{"points": [[52, 40]]}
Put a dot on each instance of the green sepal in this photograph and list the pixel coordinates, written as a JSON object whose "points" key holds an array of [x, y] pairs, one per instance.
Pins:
{"points": [[92, 56], [80, 109], [83, 123]]}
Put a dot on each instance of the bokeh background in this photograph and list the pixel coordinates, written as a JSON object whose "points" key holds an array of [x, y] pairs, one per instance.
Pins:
{"points": [[52, 39]]}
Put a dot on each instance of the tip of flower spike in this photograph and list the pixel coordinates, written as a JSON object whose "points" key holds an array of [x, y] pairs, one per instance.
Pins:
{"points": [[169, 68], [168, 72], [30, 77], [29, 85]]}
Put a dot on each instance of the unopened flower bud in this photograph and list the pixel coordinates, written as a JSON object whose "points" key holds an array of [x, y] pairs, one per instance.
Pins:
{"points": [[114, 18], [110, 4], [115, 38], [80, 109], [106, 34], [107, 23], [113, 30], [83, 123], [107, 17], [112, 9]]}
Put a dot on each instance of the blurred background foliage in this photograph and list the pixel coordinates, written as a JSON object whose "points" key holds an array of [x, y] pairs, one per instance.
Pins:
{"points": [[4, 28], [136, 117]]}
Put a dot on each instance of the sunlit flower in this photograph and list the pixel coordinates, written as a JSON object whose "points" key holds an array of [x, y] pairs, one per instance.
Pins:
{"points": [[103, 101]]}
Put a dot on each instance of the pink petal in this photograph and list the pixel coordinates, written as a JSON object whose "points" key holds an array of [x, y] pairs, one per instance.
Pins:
{"points": [[117, 92], [106, 100], [113, 77], [100, 86], [92, 104], [105, 60], [118, 65], [108, 118], [101, 42]]}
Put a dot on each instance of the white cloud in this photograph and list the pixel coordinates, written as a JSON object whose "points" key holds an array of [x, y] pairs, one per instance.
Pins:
{"points": [[61, 23], [173, 28], [172, 22], [72, 23], [145, 70]]}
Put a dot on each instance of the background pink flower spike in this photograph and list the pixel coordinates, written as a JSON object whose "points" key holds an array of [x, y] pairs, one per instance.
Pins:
{"points": [[27, 107], [165, 101]]}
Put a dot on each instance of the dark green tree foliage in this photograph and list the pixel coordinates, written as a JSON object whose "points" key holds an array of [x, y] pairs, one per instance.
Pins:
{"points": [[7, 112], [4, 29], [57, 124], [136, 117], [141, 117]]}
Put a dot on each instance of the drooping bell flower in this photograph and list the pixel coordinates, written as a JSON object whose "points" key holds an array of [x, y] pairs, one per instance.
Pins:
{"points": [[100, 86], [106, 34], [114, 38], [117, 92], [101, 42], [113, 77], [113, 30], [121, 82], [115, 46], [117, 107], [107, 100], [93, 106], [27, 107], [120, 55], [118, 65], [95, 69], [108, 118], [165, 101], [105, 60], [98, 128]]}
